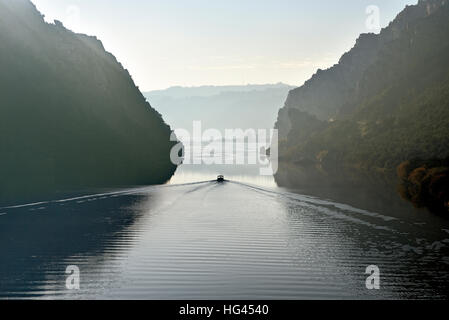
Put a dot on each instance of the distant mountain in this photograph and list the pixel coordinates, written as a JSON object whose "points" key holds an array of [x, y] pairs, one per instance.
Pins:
{"points": [[385, 102], [207, 91], [71, 117], [220, 107]]}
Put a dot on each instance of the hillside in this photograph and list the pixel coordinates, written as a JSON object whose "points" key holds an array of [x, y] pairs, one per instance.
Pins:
{"points": [[71, 117], [220, 107], [396, 109], [384, 103]]}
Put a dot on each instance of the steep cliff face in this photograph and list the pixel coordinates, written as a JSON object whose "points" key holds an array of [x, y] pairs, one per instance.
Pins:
{"points": [[387, 97], [335, 92], [71, 117]]}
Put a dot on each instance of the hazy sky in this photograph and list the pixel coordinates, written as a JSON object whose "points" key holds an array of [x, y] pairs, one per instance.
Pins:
{"points": [[199, 42]]}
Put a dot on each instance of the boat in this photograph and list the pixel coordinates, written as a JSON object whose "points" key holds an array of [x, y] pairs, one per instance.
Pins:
{"points": [[220, 178]]}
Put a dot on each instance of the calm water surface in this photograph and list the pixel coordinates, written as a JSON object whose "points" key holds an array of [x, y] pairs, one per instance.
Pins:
{"points": [[247, 238]]}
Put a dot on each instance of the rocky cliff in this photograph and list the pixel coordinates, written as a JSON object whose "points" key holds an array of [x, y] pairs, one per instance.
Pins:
{"points": [[71, 117], [335, 92]]}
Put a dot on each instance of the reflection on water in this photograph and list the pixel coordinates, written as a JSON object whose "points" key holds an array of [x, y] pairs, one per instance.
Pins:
{"points": [[249, 173], [38, 242], [246, 238], [370, 191], [245, 173]]}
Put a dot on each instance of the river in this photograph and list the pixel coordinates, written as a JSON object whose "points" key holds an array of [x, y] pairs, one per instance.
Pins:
{"points": [[251, 237]]}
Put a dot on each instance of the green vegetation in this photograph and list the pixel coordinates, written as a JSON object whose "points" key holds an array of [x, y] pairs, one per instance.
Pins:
{"points": [[391, 106], [426, 183], [71, 117]]}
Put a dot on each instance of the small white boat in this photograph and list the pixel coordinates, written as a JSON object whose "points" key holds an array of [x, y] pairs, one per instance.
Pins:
{"points": [[220, 178]]}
